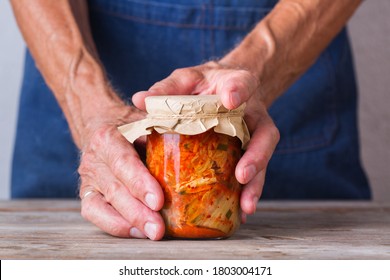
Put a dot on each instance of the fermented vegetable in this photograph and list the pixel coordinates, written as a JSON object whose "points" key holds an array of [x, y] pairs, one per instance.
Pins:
{"points": [[196, 173]]}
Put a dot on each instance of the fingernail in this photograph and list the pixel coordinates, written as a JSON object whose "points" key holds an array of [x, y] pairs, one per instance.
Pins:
{"points": [[250, 172], [135, 232], [236, 99], [151, 230], [151, 200]]}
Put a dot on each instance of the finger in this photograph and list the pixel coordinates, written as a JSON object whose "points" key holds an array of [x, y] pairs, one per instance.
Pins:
{"points": [[141, 218], [96, 210], [129, 213], [182, 81], [123, 161], [85, 191], [236, 87], [259, 151], [251, 193], [138, 99]]}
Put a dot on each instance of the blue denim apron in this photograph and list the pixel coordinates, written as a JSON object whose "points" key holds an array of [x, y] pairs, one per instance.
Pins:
{"points": [[141, 42]]}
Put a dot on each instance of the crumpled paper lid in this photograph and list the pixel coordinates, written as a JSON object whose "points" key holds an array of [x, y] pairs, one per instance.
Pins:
{"points": [[189, 115]]}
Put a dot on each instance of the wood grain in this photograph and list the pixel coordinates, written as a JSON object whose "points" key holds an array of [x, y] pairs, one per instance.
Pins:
{"points": [[54, 229]]}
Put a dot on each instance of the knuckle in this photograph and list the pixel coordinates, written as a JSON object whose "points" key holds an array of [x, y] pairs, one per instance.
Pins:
{"points": [[187, 75], [121, 161], [83, 169], [136, 185], [182, 72], [165, 85], [236, 83], [98, 139], [85, 166], [177, 72], [275, 134], [247, 80], [244, 74], [158, 85], [241, 75], [112, 191]]}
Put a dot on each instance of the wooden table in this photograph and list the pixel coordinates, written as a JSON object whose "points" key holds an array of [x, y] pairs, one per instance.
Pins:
{"points": [[54, 229]]}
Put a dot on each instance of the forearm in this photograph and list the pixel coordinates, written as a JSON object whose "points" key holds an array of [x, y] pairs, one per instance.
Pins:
{"points": [[58, 36], [288, 41]]}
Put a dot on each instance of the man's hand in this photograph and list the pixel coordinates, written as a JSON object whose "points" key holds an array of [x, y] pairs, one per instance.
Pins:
{"points": [[235, 86], [117, 192]]}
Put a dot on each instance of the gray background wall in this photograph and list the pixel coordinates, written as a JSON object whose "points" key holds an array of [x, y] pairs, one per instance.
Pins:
{"points": [[11, 65], [370, 36]]}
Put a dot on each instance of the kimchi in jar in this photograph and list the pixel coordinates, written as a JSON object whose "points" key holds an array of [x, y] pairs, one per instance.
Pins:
{"points": [[192, 150], [196, 172]]}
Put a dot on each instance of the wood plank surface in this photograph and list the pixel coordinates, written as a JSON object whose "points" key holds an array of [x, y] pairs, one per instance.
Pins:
{"points": [[54, 229]]}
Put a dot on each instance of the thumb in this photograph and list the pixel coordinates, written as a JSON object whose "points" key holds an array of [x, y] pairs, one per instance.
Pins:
{"points": [[236, 88]]}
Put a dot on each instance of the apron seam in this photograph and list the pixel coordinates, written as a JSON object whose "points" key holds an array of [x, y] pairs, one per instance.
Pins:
{"points": [[171, 24]]}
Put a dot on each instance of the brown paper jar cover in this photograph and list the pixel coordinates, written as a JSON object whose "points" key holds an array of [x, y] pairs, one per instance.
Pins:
{"points": [[188, 115]]}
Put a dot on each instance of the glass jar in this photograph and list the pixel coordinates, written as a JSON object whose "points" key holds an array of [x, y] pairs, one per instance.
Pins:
{"points": [[197, 174], [193, 146]]}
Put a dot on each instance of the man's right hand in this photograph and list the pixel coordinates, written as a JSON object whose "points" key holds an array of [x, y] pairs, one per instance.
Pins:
{"points": [[118, 194]]}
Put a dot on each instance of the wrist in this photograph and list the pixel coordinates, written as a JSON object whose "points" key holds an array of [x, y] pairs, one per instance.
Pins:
{"points": [[251, 54], [108, 118], [89, 102], [255, 54]]}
